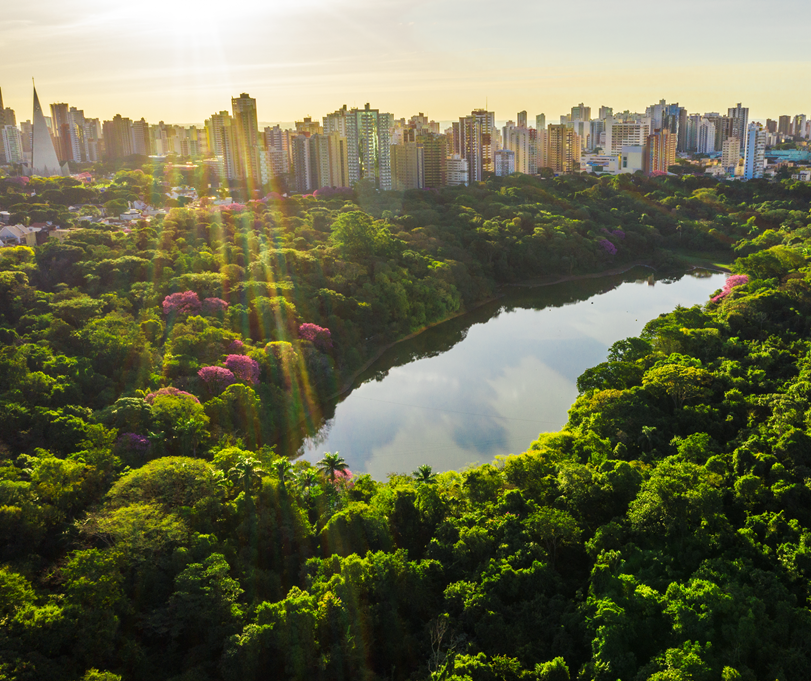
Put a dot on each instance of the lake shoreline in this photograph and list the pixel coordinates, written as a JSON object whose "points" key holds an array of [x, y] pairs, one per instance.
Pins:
{"points": [[549, 280]]}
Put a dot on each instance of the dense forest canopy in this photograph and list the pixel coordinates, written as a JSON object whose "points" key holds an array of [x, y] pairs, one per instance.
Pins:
{"points": [[151, 531]]}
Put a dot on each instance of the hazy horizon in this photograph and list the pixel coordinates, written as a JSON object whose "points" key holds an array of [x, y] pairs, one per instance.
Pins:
{"points": [[165, 61]]}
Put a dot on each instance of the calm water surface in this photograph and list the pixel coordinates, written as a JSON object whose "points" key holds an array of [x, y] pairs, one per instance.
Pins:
{"points": [[488, 382]]}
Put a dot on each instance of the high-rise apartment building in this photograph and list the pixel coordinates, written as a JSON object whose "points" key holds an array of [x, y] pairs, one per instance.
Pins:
{"points": [[784, 125], [11, 144], [221, 139], [730, 153], [246, 129], [799, 126], [117, 135], [141, 142], [435, 159], [754, 155], [540, 122], [458, 171], [517, 140], [660, 151], [522, 119], [581, 112], [477, 143], [619, 134], [368, 137], [564, 149], [504, 162], [407, 166], [277, 143], [705, 136], [740, 122], [61, 130]]}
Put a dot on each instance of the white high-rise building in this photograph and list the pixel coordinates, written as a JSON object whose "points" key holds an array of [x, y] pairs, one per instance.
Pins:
{"points": [[457, 169], [705, 136], [754, 152], [517, 140], [624, 134]]}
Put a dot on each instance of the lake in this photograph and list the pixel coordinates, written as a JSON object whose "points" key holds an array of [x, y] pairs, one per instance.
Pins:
{"points": [[486, 383]]}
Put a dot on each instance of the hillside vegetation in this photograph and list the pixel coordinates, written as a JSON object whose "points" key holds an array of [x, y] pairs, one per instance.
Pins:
{"points": [[150, 530]]}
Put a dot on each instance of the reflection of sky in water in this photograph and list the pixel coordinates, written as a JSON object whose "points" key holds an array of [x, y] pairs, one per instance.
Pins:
{"points": [[492, 393]]}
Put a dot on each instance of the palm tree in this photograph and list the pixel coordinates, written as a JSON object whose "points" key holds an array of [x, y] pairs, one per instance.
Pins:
{"points": [[246, 471], [332, 464], [284, 470], [424, 475]]}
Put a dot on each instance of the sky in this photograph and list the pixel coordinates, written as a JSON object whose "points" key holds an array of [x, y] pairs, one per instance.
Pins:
{"points": [[180, 61]]}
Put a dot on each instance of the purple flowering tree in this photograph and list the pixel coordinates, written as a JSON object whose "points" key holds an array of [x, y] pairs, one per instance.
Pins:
{"points": [[607, 246], [181, 303], [244, 368], [729, 284], [236, 347], [173, 392], [618, 233], [216, 379], [132, 442], [214, 305], [317, 335]]}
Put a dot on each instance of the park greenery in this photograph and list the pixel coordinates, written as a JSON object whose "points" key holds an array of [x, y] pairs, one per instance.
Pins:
{"points": [[148, 376]]}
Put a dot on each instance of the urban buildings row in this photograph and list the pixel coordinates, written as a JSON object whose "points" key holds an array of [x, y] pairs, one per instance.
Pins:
{"points": [[355, 144]]}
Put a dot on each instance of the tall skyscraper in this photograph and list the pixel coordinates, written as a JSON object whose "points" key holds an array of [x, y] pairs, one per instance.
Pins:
{"points": [[564, 149], [740, 122], [477, 143], [605, 112], [522, 119], [540, 122], [754, 152], [368, 136], [246, 129], [784, 125]]}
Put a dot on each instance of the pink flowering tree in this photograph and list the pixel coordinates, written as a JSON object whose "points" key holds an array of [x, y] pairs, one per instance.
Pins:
{"points": [[244, 368], [236, 347], [729, 284], [181, 303], [171, 391], [317, 335], [216, 379], [214, 306]]}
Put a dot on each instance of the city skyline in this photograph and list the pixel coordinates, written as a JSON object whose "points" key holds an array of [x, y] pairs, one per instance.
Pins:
{"points": [[170, 62]]}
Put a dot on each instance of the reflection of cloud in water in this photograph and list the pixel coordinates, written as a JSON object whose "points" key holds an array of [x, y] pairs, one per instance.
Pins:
{"points": [[447, 403]]}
